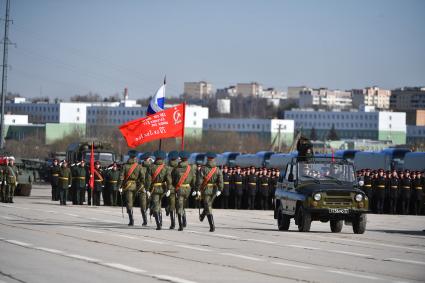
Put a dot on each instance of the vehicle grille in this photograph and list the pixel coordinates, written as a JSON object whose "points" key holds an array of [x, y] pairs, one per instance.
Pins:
{"points": [[338, 194]]}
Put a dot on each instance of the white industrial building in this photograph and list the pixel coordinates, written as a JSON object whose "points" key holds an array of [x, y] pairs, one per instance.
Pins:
{"points": [[415, 134], [325, 98], [352, 124], [10, 119]]}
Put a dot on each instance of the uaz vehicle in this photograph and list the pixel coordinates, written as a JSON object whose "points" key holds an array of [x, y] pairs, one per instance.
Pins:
{"points": [[320, 190]]}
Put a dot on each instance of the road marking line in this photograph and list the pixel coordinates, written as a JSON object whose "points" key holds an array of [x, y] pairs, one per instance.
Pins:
{"points": [[92, 231], [303, 247], [194, 248], [292, 265], [225, 236], [18, 243], [243, 256], [49, 250], [261, 241], [128, 237], [349, 253], [89, 259], [155, 242], [405, 261], [172, 279], [70, 214], [124, 267], [353, 274]]}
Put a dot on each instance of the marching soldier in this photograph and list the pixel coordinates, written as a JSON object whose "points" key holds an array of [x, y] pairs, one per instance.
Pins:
{"points": [[252, 187], [405, 186], [226, 188], [394, 184], [209, 182], [11, 175], [130, 176], [379, 189], [112, 178], [238, 180], [158, 179], [367, 186], [143, 187], [79, 183], [264, 187], [417, 190], [2, 180], [54, 179], [171, 205], [65, 179], [98, 183], [183, 178]]}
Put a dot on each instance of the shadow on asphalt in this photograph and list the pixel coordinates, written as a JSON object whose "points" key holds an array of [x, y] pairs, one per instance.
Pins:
{"points": [[402, 232]]}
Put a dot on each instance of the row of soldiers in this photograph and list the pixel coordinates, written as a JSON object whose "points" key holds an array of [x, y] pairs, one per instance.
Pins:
{"points": [[8, 179], [393, 191], [150, 182]]}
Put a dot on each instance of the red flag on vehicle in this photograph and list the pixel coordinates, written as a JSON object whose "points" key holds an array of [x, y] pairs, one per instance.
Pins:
{"points": [[165, 124], [91, 181]]}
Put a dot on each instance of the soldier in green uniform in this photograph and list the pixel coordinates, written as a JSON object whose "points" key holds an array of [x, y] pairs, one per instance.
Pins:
{"points": [[3, 161], [209, 184], [79, 183], [170, 209], [54, 179], [111, 185], [183, 178], [264, 188], [158, 180], [64, 183], [252, 187], [129, 178], [142, 186], [99, 183], [11, 175]]}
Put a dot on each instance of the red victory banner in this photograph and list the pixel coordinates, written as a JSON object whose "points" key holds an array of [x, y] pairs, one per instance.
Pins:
{"points": [[165, 124]]}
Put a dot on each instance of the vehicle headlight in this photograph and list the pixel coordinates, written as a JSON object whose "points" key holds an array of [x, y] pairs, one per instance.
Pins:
{"points": [[361, 183], [359, 197], [317, 197]]}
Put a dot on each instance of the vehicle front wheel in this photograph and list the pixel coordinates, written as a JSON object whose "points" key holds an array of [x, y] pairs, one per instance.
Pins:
{"points": [[304, 220], [283, 221], [359, 223], [336, 225]]}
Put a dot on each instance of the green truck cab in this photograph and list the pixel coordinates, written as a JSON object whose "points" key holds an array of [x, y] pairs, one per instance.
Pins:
{"points": [[323, 190]]}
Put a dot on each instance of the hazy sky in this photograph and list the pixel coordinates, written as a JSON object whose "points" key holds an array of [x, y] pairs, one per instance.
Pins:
{"points": [[76, 46]]}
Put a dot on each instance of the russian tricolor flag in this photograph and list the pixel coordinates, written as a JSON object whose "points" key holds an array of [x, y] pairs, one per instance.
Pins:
{"points": [[157, 101]]}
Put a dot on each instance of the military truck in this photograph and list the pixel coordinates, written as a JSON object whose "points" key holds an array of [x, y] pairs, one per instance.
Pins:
{"points": [[82, 150], [320, 190]]}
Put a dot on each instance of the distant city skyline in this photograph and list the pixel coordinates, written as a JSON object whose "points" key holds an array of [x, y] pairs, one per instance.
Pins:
{"points": [[66, 48]]}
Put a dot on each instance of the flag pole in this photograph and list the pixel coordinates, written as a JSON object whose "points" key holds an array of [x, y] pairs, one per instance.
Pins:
{"points": [[184, 116], [165, 83]]}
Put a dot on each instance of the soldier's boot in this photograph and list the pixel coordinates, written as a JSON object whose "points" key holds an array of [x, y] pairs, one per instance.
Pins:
{"points": [[173, 220], [160, 218], [184, 219], [211, 222], [145, 219], [167, 210], [158, 224], [179, 218], [202, 216], [130, 217]]}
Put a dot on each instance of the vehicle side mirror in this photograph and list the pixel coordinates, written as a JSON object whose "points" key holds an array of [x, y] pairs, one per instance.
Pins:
{"points": [[291, 177]]}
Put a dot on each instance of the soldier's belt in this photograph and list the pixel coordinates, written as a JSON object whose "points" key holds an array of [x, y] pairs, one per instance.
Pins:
{"points": [[81, 178], [55, 175], [209, 185], [185, 186], [368, 185], [98, 180], [381, 186], [113, 182], [238, 183], [264, 184], [394, 187], [406, 187], [63, 178], [157, 184], [418, 188], [226, 183], [254, 184]]}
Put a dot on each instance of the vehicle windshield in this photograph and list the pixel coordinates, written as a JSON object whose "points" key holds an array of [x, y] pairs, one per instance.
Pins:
{"points": [[326, 171], [100, 156]]}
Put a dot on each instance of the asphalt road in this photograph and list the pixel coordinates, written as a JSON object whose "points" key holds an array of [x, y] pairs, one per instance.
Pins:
{"points": [[41, 241]]}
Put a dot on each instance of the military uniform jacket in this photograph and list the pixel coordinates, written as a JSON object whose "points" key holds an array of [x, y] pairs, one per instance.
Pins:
{"points": [[214, 184], [252, 184], [11, 174], [79, 177], [129, 183], [171, 165], [112, 178], [54, 175], [65, 177], [367, 183], [264, 186], [226, 183], [405, 186], [394, 187], [238, 181], [417, 188], [162, 180], [144, 169], [379, 187], [1, 175], [99, 179], [273, 184], [179, 171]]}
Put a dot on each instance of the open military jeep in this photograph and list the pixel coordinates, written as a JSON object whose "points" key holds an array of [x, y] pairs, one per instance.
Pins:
{"points": [[320, 190]]}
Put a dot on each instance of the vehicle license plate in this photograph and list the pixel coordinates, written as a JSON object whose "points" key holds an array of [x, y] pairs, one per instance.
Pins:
{"points": [[339, 210]]}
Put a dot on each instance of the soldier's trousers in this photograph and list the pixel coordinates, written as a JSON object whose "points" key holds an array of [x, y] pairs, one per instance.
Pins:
{"points": [[143, 197], [393, 205], [10, 191], [417, 205], [55, 192], [238, 201], [405, 205], [380, 205], [207, 201], [224, 201], [106, 194], [264, 202], [182, 196], [96, 197], [63, 196], [251, 201], [129, 199], [115, 195], [89, 196], [156, 202], [172, 201], [77, 195]]}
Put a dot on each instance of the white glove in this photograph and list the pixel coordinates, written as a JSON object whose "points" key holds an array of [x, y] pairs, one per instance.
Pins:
{"points": [[69, 186], [198, 193], [120, 190], [167, 194], [218, 193], [193, 193], [5, 183], [17, 183], [148, 194]]}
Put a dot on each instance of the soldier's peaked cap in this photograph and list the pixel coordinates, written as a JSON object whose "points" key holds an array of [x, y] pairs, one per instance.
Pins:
{"points": [[159, 154], [173, 155], [211, 155], [184, 154], [145, 155], [132, 153]]}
